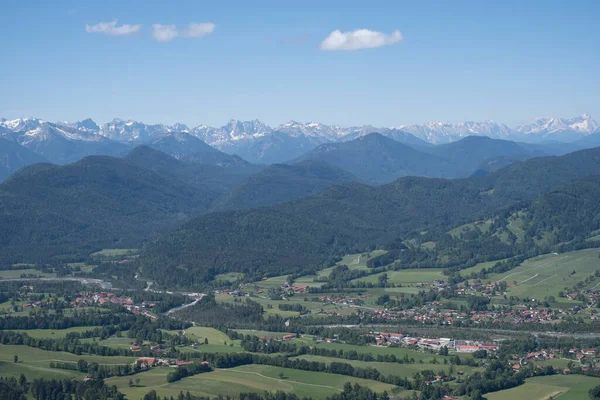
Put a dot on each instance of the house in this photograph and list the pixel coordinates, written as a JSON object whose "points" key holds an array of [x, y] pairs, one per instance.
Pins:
{"points": [[467, 349], [146, 362], [288, 336], [516, 367], [181, 363], [135, 347]]}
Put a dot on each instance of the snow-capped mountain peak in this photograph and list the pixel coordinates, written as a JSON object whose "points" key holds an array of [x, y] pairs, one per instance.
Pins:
{"points": [[21, 124], [178, 127], [561, 128]]}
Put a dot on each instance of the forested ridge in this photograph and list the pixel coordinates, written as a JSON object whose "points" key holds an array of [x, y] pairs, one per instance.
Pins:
{"points": [[313, 231]]}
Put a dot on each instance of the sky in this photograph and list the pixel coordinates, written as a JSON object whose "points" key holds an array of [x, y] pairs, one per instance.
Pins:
{"points": [[384, 63]]}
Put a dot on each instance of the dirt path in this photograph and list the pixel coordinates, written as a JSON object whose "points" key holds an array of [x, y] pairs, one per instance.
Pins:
{"points": [[544, 280], [529, 269], [528, 279]]}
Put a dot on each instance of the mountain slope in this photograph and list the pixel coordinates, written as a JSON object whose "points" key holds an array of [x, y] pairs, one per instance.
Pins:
{"points": [[467, 155], [62, 145], [180, 144], [348, 217], [279, 183], [272, 148], [98, 202], [377, 159], [14, 156], [213, 180]]}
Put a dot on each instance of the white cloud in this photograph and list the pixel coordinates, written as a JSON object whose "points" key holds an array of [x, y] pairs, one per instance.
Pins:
{"points": [[198, 30], [164, 33], [359, 39], [111, 28]]}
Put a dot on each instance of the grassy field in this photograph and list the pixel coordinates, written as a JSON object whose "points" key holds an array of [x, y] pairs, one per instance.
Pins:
{"points": [[548, 274], [408, 276], [249, 378], [35, 370], [478, 267], [560, 387], [230, 277], [271, 307], [483, 226], [397, 369], [16, 273], [34, 355], [53, 333], [399, 352], [114, 252], [35, 363], [265, 334]]}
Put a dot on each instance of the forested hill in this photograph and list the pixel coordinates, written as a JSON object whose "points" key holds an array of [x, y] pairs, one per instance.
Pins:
{"points": [[310, 231], [563, 219], [279, 182], [205, 176], [13, 156], [100, 201]]}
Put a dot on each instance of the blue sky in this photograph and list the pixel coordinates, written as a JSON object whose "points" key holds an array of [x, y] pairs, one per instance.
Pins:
{"points": [[508, 61]]}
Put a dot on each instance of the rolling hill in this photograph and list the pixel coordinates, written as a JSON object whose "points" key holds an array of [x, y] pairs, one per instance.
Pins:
{"points": [[350, 217], [279, 183], [100, 201]]}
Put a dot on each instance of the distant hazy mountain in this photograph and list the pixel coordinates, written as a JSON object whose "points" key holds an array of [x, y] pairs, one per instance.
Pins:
{"points": [[467, 155], [375, 158], [59, 144], [259, 143], [279, 183], [213, 179], [234, 131], [562, 129], [180, 144], [274, 147], [445, 132], [13, 156]]}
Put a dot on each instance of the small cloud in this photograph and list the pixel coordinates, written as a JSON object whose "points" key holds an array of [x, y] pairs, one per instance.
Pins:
{"points": [[359, 39], [111, 28], [164, 33], [199, 30]]}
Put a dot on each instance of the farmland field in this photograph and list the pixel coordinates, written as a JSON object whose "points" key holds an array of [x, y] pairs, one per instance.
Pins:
{"points": [[265, 334], [53, 333], [249, 378], [399, 352], [561, 387], [548, 274], [35, 363], [386, 368], [407, 276], [16, 273]]}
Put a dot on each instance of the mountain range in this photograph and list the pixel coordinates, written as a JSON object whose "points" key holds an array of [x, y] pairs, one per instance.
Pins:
{"points": [[351, 217], [230, 214], [64, 142]]}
